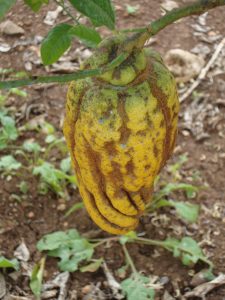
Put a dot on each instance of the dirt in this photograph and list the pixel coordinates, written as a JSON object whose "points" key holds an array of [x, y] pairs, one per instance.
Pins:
{"points": [[36, 215]]}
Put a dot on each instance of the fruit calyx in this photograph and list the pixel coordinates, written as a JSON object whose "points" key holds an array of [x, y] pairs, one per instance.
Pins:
{"points": [[109, 49]]}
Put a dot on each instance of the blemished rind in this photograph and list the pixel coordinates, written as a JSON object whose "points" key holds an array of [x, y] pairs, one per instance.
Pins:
{"points": [[120, 130]]}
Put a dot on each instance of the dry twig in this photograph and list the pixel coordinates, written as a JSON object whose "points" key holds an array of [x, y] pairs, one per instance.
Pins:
{"points": [[204, 71]]}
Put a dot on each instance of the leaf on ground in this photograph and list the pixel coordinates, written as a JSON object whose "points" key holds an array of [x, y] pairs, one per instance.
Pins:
{"points": [[31, 146], [170, 187], [9, 163], [137, 288], [8, 130], [65, 165], [9, 263], [37, 277], [52, 176], [92, 267], [187, 211], [69, 246], [187, 249]]}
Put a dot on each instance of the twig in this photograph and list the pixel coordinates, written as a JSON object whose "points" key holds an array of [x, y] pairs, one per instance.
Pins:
{"points": [[113, 284], [66, 10], [204, 71], [203, 289]]}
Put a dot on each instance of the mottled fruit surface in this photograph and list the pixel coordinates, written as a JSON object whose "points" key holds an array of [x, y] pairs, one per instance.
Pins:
{"points": [[120, 129]]}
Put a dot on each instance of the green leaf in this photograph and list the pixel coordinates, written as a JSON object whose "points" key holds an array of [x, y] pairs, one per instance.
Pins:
{"points": [[18, 92], [69, 246], [100, 12], [130, 236], [89, 36], [9, 163], [54, 240], [9, 129], [5, 6], [31, 146], [47, 128], [187, 249], [170, 187], [50, 138], [187, 211], [137, 288], [23, 186], [92, 267], [52, 176], [6, 263], [37, 277], [35, 5], [56, 43], [75, 207], [65, 165], [132, 9]]}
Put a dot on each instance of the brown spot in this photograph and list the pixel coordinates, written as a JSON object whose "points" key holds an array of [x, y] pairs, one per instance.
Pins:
{"points": [[156, 151], [130, 167], [156, 109], [162, 123], [162, 101], [147, 167]]}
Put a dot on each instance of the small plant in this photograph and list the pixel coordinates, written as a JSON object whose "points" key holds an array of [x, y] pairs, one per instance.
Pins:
{"points": [[37, 277], [52, 177], [185, 210], [8, 130], [73, 250], [69, 246], [9, 263]]}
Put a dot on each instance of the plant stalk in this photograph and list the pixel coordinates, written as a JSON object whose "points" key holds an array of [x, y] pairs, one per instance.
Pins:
{"points": [[136, 40]]}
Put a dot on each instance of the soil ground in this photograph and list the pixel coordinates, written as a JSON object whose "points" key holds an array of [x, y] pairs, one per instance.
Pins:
{"points": [[36, 215]]}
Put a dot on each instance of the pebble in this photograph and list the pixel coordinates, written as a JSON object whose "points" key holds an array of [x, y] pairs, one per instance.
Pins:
{"points": [[10, 28], [61, 207], [30, 215]]}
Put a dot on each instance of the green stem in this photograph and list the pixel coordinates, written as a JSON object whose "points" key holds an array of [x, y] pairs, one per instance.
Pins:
{"points": [[99, 242], [63, 78], [137, 40], [62, 4], [129, 260], [150, 242], [197, 8]]}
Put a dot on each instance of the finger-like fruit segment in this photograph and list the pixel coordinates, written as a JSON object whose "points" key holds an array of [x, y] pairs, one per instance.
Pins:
{"points": [[120, 129]]}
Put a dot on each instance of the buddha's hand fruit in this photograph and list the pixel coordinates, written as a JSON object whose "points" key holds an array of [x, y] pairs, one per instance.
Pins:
{"points": [[120, 129]]}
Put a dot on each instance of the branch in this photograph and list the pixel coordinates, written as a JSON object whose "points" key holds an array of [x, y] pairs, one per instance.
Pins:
{"points": [[63, 78], [136, 40]]}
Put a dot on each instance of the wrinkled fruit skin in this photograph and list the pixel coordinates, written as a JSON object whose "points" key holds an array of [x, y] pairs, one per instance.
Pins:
{"points": [[120, 129]]}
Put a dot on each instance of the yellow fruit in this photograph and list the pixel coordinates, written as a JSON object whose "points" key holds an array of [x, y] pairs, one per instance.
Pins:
{"points": [[120, 129]]}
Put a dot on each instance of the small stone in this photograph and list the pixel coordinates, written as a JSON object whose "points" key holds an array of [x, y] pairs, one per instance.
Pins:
{"points": [[86, 289], [30, 215], [61, 207], [185, 133], [65, 224], [164, 280], [10, 28]]}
